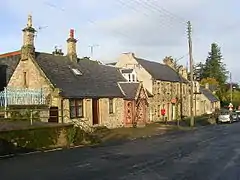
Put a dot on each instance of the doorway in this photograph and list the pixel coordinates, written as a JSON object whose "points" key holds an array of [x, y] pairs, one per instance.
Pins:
{"points": [[53, 114], [95, 111]]}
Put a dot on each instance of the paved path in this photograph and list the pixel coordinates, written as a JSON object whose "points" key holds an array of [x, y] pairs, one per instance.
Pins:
{"points": [[210, 153]]}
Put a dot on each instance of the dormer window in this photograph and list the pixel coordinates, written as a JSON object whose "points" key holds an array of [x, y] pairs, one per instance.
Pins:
{"points": [[133, 78], [77, 72]]}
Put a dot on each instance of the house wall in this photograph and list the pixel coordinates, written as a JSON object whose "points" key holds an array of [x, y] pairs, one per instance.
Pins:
{"points": [[86, 121], [34, 78], [128, 61], [114, 120], [202, 105], [163, 93]]}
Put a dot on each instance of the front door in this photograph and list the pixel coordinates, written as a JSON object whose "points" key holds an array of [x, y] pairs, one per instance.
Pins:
{"points": [[141, 112], [129, 106], [95, 111]]}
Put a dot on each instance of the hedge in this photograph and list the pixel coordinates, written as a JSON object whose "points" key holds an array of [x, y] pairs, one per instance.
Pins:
{"points": [[41, 138]]}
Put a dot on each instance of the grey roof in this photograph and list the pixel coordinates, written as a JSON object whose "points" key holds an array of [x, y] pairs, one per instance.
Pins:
{"points": [[112, 63], [206, 92], [161, 71], [127, 70], [130, 90], [11, 61], [213, 87], [96, 80]]}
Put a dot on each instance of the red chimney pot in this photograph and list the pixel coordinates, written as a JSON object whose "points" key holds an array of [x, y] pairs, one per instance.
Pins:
{"points": [[71, 33]]}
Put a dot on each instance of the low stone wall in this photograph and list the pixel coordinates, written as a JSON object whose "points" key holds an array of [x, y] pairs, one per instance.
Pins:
{"points": [[33, 139]]}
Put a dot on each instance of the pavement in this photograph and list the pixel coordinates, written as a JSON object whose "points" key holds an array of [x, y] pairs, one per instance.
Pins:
{"points": [[207, 153]]}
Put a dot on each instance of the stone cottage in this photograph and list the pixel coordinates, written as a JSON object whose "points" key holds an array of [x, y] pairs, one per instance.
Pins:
{"points": [[135, 104], [80, 89], [168, 87], [205, 101]]}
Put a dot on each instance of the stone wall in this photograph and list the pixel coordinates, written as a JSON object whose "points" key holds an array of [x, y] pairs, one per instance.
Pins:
{"points": [[34, 78], [114, 120], [163, 93], [202, 105]]}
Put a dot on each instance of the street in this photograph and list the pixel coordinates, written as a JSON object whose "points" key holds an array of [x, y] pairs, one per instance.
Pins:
{"points": [[208, 153]]}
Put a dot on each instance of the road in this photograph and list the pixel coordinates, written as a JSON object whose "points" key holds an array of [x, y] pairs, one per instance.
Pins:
{"points": [[209, 153]]}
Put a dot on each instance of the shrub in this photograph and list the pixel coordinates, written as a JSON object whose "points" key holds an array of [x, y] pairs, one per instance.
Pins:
{"points": [[35, 138]]}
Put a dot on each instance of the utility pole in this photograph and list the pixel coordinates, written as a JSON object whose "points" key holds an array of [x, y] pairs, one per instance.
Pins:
{"points": [[231, 87], [189, 31], [92, 49]]}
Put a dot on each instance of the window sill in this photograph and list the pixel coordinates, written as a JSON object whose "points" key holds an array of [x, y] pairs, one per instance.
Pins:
{"points": [[76, 117]]}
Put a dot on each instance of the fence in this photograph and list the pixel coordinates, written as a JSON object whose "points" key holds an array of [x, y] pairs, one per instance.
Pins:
{"points": [[29, 116], [13, 96]]}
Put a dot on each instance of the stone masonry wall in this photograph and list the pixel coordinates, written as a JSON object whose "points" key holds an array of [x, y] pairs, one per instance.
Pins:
{"points": [[114, 120], [34, 79], [163, 92]]}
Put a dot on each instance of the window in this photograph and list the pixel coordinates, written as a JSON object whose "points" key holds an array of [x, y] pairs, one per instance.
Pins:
{"points": [[129, 77], [76, 72], [25, 79], [76, 108], [133, 77], [110, 108]]}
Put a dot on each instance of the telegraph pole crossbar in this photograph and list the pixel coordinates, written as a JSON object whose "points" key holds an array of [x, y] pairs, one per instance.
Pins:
{"points": [[189, 31]]}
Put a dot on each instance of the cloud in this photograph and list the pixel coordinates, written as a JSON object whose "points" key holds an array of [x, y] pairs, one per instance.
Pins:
{"points": [[150, 28]]}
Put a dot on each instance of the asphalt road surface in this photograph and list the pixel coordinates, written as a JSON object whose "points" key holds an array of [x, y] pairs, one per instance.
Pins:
{"points": [[208, 153]]}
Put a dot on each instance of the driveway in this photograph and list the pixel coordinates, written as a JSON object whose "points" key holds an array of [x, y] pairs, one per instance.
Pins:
{"points": [[212, 152]]}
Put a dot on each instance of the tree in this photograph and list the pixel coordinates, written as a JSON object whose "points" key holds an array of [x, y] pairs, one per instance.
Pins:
{"points": [[210, 81], [214, 67]]}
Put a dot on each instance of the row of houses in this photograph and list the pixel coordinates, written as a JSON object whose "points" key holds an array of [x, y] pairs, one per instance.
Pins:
{"points": [[130, 92]]}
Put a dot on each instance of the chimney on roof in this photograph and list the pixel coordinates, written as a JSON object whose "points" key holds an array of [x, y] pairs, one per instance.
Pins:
{"points": [[169, 61], [57, 52], [183, 72], [28, 48], [71, 46]]}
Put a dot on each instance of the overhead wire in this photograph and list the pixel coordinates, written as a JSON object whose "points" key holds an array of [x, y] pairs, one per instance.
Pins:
{"points": [[90, 21], [146, 8]]}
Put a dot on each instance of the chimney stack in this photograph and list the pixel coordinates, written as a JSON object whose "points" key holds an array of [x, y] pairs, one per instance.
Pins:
{"points": [[71, 46], [28, 48], [169, 61]]}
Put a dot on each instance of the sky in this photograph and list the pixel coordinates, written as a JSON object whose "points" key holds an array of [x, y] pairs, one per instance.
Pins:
{"points": [[152, 29]]}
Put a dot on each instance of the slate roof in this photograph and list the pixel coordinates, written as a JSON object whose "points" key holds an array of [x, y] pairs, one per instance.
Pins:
{"points": [[213, 87], [161, 71], [130, 89], [112, 63], [96, 81], [10, 60], [208, 94], [127, 70]]}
